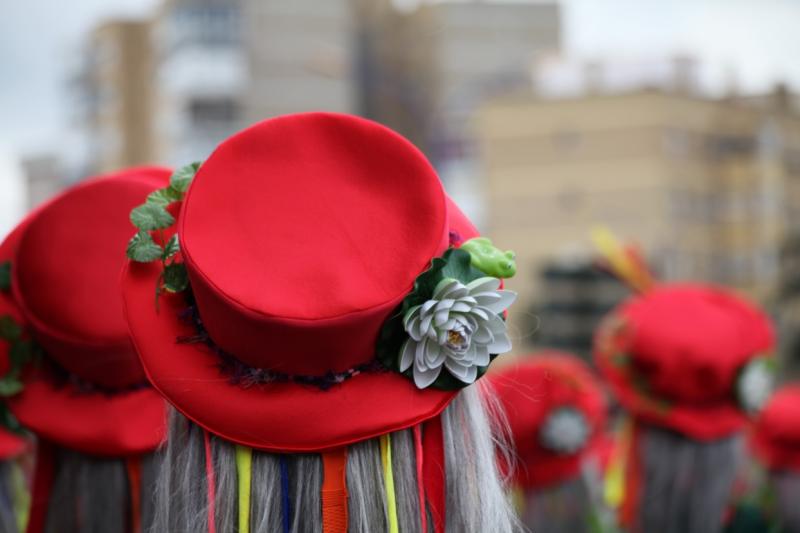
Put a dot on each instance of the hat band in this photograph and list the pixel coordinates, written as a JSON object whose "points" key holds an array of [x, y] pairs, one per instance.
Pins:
{"points": [[245, 376]]}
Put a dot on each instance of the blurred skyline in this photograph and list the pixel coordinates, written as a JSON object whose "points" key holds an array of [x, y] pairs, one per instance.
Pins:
{"points": [[745, 43]]}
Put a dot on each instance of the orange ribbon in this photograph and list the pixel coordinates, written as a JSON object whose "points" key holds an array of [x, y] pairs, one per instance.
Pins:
{"points": [[334, 491]]}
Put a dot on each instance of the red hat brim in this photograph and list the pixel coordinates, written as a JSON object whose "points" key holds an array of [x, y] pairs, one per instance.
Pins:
{"points": [[94, 423], [701, 422], [275, 417]]}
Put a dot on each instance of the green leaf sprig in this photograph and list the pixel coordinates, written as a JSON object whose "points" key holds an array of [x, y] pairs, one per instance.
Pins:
{"points": [[21, 350], [152, 216]]}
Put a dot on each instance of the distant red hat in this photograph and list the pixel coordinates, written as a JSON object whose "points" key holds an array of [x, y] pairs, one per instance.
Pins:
{"points": [[556, 411], [89, 392], [692, 358], [776, 434], [303, 237]]}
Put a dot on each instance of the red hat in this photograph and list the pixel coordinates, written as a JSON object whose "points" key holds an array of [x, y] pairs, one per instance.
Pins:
{"points": [[776, 434], [308, 239], [89, 392], [690, 358], [556, 412]]}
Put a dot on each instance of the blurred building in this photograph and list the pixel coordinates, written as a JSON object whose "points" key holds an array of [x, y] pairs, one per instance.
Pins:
{"points": [[44, 178], [299, 56], [574, 297], [200, 77], [113, 96], [708, 187]]}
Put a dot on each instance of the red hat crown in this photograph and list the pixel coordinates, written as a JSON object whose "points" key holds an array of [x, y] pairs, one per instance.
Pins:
{"points": [[66, 277], [776, 434], [319, 250]]}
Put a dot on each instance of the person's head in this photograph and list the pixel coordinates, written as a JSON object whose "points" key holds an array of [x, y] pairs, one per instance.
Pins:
{"points": [[556, 413], [322, 353], [688, 363], [83, 391], [775, 441]]}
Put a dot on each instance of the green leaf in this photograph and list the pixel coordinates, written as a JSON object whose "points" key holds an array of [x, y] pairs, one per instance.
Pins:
{"points": [[10, 385], [5, 275], [175, 277], [9, 329], [150, 217], [164, 197], [142, 248], [21, 352], [172, 247], [182, 177]]}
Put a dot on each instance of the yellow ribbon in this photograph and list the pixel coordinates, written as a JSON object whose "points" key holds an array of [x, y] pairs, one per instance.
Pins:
{"points": [[614, 486], [388, 479], [244, 463]]}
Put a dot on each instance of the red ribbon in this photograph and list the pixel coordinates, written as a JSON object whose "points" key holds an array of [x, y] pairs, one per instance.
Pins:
{"points": [[423, 513], [210, 484], [629, 509], [133, 466], [42, 483], [434, 471]]}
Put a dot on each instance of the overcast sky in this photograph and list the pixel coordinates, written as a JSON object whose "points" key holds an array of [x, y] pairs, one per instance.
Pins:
{"points": [[758, 40]]}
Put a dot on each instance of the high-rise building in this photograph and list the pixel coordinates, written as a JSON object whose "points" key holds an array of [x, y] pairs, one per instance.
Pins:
{"points": [[707, 187], [298, 56], [200, 77], [113, 96]]}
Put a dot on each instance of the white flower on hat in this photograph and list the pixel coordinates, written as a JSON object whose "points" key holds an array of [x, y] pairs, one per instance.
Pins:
{"points": [[755, 384], [458, 328], [564, 431]]}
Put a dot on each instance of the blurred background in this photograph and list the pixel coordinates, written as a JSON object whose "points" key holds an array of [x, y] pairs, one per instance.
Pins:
{"points": [[674, 123]]}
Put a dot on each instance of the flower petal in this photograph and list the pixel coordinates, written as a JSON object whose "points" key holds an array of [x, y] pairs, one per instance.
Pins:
{"points": [[482, 355], [480, 312], [410, 314], [407, 354], [485, 284], [433, 355], [467, 374], [444, 287], [419, 355], [424, 377], [425, 324], [461, 306], [506, 298], [441, 317], [413, 329], [482, 335], [427, 306], [447, 303], [500, 344]]}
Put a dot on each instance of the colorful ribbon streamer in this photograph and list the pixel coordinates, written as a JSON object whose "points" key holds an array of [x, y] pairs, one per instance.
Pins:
{"points": [[134, 468], [244, 465], [388, 480], [286, 503], [420, 460], [211, 484], [434, 472], [334, 491]]}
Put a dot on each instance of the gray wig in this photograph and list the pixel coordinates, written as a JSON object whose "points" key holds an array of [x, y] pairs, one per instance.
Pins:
{"points": [[10, 487], [475, 497], [686, 484], [92, 494], [787, 499]]}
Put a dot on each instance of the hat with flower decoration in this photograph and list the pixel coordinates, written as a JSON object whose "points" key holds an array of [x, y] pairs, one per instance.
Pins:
{"points": [[775, 437], [322, 269], [556, 411], [693, 358]]}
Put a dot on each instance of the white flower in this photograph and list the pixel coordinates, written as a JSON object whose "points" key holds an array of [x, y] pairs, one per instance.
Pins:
{"points": [[458, 328], [754, 385], [565, 431]]}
